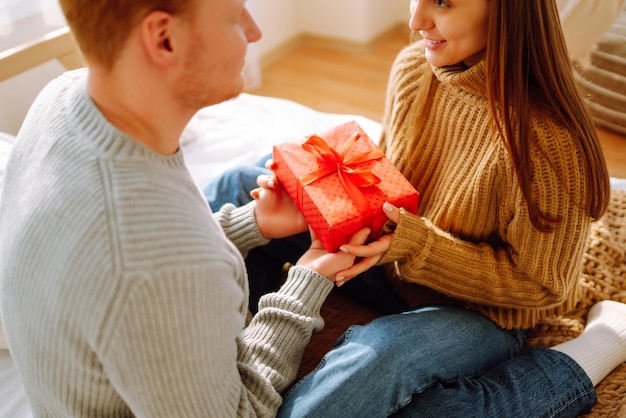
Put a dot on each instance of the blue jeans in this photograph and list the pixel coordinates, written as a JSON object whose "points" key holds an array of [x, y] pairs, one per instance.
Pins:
{"points": [[438, 361], [234, 185], [539, 383]]}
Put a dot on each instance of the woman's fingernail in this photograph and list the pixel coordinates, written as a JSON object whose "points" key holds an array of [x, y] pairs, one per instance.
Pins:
{"points": [[270, 184], [344, 249], [340, 283], [388, 207]]}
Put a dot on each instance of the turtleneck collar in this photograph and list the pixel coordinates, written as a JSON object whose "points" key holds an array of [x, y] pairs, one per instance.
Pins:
{"points": [[474, 59], [469, 75]]}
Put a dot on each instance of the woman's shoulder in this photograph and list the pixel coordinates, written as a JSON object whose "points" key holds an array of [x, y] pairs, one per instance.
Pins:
{"points": [[550, 132], [414, 50], [557, 158], [410, 61]]}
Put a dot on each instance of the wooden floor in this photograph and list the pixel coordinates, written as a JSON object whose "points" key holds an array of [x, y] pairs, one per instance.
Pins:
{"points": [[340, 78], [614, 146]]}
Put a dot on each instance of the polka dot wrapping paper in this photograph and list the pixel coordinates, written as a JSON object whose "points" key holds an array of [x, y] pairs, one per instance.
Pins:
{"points": [[339, 179]]}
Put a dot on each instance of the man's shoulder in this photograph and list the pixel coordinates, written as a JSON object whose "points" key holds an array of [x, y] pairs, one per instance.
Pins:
{"points": [[73, 76], [65, 81]]}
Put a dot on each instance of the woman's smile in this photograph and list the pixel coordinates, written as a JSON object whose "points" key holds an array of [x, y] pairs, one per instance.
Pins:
{"points": [[433, 45]]}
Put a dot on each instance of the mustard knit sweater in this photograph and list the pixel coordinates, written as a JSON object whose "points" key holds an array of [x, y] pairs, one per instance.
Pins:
{"points": [[472, 241]]}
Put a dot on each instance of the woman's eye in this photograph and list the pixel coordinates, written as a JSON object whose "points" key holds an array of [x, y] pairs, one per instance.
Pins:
{"points": [[441, 3]]}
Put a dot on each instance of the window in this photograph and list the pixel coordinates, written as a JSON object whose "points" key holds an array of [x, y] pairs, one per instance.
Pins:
{"points": [[24, 20]]}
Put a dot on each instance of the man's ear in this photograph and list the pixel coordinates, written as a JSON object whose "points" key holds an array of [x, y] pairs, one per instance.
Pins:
{"points": [[157, 34]]}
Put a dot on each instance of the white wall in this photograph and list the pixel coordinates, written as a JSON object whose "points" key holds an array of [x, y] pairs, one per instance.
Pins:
{"points": [[279, 21], [358, 21], [33, 18]]}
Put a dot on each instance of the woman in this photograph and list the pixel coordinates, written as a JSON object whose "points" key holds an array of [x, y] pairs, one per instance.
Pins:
{"points": [[507, 199]]}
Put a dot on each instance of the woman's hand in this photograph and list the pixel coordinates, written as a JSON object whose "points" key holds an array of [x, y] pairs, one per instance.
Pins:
{"points": [[329, 264], [369, 254], [276, 214]]}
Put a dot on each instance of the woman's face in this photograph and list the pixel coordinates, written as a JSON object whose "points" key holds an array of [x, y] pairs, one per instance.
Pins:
{"points": [[453, 30]]}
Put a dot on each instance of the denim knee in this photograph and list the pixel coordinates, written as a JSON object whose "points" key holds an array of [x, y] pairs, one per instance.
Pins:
{"points": [[233, 186]]}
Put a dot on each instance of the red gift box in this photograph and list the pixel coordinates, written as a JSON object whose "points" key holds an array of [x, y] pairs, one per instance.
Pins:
{"points": [[339, 179]]}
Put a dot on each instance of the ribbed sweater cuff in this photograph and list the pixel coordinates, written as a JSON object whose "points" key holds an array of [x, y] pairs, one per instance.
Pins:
{"points": [[239, 224], [412, 238], [307, 291]]}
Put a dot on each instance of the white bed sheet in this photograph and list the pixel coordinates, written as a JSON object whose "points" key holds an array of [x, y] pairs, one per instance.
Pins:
{"points": [[236, 132], [243, 130]]}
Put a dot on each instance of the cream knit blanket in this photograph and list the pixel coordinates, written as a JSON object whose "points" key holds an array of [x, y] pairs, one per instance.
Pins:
{"points": [[604, 277]]}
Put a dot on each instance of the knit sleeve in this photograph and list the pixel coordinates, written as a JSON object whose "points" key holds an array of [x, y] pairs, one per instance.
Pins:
{"points": [[240, 226], [286, 319], [176, 346], [405, 79], [521, 267]]}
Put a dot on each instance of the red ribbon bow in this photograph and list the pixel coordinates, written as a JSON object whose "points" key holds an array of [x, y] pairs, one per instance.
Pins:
{"points": [[351, 171]]}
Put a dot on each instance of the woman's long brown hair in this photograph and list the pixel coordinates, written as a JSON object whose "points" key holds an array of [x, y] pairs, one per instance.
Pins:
{"points": [[527, 61], [528, 68]]}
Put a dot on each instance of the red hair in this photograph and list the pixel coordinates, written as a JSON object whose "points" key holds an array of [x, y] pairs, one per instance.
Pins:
{"points": [[101, 27]]}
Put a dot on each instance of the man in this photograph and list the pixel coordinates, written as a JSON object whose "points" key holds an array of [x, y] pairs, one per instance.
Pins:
{"points": [[122, 295]]}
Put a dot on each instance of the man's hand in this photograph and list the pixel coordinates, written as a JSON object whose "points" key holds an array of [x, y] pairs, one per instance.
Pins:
{"points": [[329, 264], [276, 214], [369, 254]]}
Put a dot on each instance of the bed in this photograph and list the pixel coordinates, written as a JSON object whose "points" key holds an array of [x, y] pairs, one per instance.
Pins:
{"points": [[241, 131]]}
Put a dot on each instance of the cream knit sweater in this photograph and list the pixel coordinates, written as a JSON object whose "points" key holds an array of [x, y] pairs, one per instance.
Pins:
{"points": [[473, 241]]}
